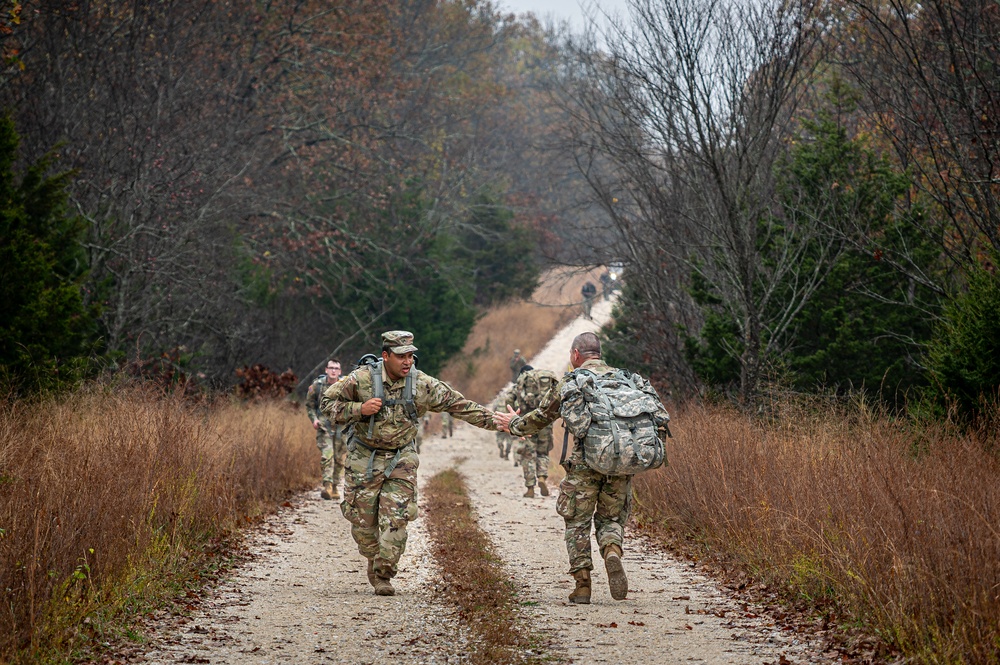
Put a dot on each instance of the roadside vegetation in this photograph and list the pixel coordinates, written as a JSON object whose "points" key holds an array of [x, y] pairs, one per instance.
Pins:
{"points": [[474, 579], [859, 521], [117, 500]]}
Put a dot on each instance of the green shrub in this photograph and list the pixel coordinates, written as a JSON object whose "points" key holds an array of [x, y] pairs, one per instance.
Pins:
{"points": [[963, 358], [46, 330]]}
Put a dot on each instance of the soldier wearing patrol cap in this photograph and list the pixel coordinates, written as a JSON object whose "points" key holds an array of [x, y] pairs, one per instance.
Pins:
{"points": [[385, 402]]}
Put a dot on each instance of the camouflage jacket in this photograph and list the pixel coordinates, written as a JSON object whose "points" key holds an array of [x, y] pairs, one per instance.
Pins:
{"points": [[553, 406], [313, 397], [393, 429], [530, 388]]}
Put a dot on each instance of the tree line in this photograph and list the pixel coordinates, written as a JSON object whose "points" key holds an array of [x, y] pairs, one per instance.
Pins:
{"points": [[805, 193], [243, 181]]}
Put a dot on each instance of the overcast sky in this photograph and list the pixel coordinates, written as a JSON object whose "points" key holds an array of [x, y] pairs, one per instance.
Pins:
{"points": [[560, 10]]}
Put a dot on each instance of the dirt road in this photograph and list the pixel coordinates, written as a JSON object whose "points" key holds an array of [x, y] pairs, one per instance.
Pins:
{"points": [[303, 597]]}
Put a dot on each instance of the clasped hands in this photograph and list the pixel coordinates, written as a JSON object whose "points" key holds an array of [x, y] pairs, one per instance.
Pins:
{"points": [[502, 420]]}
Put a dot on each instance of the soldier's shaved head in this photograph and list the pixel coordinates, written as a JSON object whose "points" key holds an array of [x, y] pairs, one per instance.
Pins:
{"points": [[587, 344]]}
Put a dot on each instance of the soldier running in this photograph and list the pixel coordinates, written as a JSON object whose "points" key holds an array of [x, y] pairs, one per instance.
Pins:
{"points": [[385, 402]]}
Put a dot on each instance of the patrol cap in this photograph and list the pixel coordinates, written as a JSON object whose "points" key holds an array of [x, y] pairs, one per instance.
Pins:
{"points": [[517, 352], [398, 341]]}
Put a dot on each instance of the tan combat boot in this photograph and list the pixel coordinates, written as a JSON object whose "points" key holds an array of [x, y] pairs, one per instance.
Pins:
{"points": [[329, 491], [383, 587], [542, 487], [529, 493], [616, 572], [581, 594]]}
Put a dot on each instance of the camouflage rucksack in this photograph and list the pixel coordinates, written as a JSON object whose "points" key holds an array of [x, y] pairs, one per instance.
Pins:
{"points": [[532, 386], [619, 426]]}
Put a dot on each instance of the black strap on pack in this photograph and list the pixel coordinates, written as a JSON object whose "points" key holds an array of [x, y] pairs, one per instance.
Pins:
{"points": [[562, 455]]}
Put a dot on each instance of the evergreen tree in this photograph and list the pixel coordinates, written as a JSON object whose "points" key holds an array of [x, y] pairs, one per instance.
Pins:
{"points": [[46, 330]]}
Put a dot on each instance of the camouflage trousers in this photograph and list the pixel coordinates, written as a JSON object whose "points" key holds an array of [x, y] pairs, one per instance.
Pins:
{"points": [[534, 456], [332, 453], [504, 442], [379, 508], [587, 498]]}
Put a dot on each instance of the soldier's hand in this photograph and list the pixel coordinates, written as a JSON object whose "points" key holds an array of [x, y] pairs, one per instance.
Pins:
{"points": [[371, 406], [316, 424], [502, 420]]}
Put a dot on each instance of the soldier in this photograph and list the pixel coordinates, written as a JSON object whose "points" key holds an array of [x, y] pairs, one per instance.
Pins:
{"points": [[586, 497], [589, 292], [504, 440], [447, 426], [526, 395], [380, 484], [516, 363], [329, 437]]}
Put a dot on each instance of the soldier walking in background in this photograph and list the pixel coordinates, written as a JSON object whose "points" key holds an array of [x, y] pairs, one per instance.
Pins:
{"points": [[532, 385], [329, 437], [516, 363], [588, 499], [504, 440], [447, 426], [589, 292], [607, 283], [385, 401]]}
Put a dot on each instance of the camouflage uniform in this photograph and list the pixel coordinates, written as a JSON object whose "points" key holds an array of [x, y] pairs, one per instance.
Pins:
{"points": [[329, 437], [504, 440], [585, 496], [380, 484], [525, 396]]}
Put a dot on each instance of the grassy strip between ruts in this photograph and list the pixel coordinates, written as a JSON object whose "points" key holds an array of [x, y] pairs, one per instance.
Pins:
{"points": [[475, 581]]}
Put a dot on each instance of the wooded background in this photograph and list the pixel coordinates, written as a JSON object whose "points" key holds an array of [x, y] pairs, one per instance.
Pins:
{"points": [[804, 194]]}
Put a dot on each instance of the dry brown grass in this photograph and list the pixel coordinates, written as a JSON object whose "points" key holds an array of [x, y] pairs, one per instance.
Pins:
{"points": [[474, 579], [112, 499], [481, 369], [886, 527]]}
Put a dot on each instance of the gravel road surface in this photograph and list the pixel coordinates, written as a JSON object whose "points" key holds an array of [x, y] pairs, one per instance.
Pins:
{"points": [[303, 597]]}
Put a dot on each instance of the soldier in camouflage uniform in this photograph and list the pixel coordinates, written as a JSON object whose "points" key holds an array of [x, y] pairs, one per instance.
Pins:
{"points": [[587, 499], [517, 361], [504, 440], [380, 485], [329, 437], [527, 394]]}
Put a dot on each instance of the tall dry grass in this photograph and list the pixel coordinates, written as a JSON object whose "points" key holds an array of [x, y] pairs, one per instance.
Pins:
{"points": [[110, 499], [896, 529], [482, 369]]}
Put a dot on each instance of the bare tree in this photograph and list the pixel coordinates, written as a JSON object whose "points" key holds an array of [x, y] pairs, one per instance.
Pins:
{"points": [[691, 105], [929, 71]]}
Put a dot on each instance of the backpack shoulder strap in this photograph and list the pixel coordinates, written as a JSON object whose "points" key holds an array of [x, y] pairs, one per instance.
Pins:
{"points": [[378, 390], [409, 393]]}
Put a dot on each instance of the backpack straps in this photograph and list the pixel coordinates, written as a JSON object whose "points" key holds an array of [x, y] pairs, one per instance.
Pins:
{"points": [[408, 400], [378, 391]]}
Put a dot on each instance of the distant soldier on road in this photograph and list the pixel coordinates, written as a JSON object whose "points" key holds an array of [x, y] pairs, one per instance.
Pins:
{"points": [[385, 402], [516, 363], [329, 437], [589, 292], [532, 385], [607, 283], [587, 499], [504, 440]]}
